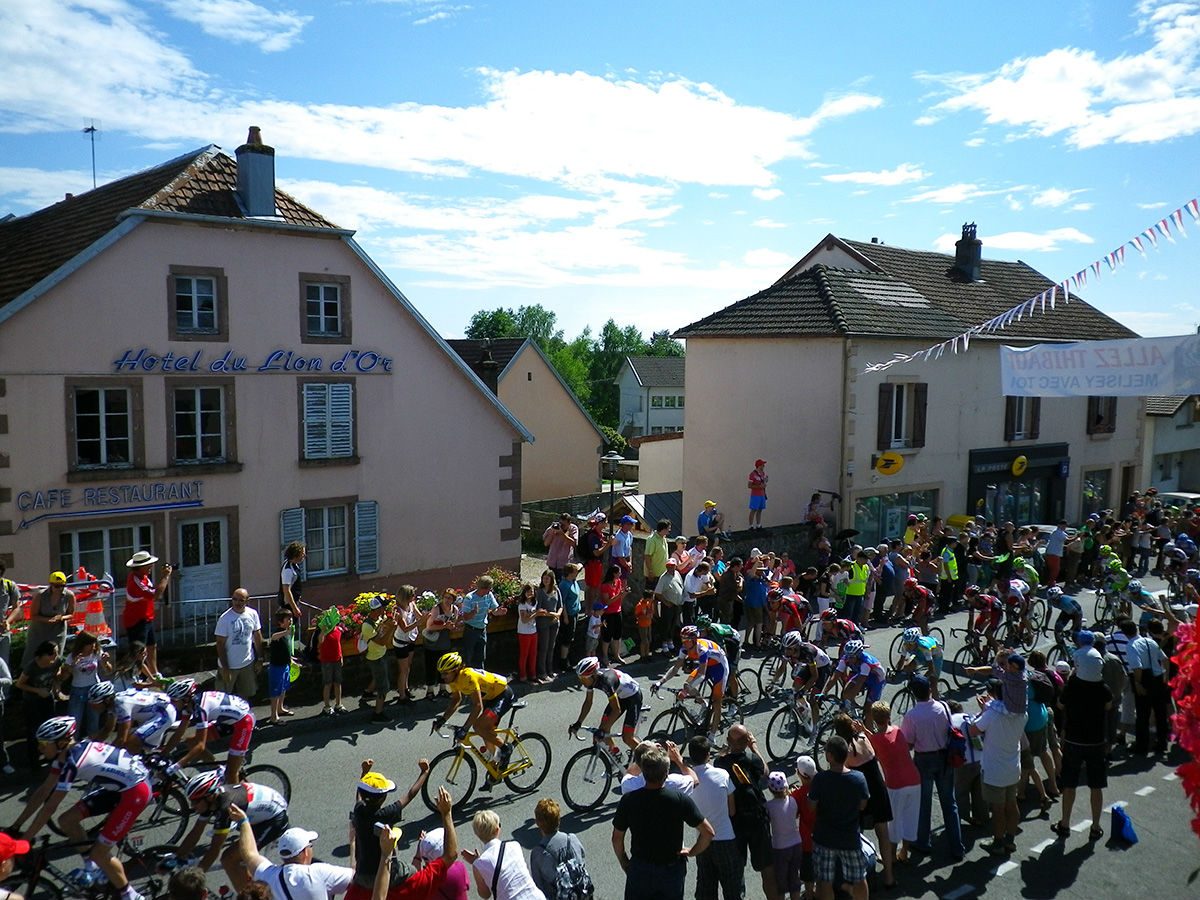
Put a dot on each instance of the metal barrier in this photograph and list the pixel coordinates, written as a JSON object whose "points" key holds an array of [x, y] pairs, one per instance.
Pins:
{"points": [[192, 623]]}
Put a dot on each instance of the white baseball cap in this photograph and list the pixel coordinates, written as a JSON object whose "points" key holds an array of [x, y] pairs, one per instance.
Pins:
{"points": [[432, 845], [293, 841], [806, 766]]}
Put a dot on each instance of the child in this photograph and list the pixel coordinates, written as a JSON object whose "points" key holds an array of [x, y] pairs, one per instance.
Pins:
{"points": [[527, 635], [329, 654], [88, 664], [839, 580], [806, 817], [594, 626], [644, 613], [280, 652], [568, 589], [786, 843]]}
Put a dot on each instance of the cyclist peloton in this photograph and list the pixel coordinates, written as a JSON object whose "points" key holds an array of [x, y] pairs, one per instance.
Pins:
{"points": [[215, 712], [919, 602], [491, 698], [118, 788], [924, 650], [142, 717], [1017, 600], [624, 695], [1144, 601], [266, 812], [711, 664], [989, 611], [857, 670]]}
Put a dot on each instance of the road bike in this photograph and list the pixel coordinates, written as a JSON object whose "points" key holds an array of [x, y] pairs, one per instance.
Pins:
{"points": [[793, 724], [588, 776], [904, 699], [895, 653], [527, 765], [38, 877], [977, 651], [165, 817], [689, 716]]}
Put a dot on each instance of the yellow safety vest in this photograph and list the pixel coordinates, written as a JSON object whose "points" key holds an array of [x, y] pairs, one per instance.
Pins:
{"points": [[949, 566], [859, 574]]}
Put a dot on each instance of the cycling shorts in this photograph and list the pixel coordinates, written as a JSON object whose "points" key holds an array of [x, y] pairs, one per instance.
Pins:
{"points": [[121, 807], [819, 681], [716, 675], [988, 620], [631, 707], [153, 730], [500, 704], [239, 743]]}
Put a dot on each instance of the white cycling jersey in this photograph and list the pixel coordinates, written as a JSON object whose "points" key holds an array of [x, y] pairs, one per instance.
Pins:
{"points": [[102, 766]]}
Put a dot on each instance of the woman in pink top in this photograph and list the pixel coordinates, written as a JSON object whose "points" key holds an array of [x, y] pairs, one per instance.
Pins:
{"points": [[901, 777], [878, 814]]}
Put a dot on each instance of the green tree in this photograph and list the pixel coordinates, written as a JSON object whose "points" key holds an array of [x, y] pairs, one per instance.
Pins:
{"points": [[489, 324], [661, 344], [613, 345]]}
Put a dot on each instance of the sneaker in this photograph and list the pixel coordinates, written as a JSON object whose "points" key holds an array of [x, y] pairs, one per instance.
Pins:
{"points": [[83, 877], [327, 711], [505, 755], [340, 710]]}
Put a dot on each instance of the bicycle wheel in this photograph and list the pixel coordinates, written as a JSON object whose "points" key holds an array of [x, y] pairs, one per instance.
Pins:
{"points": [[39, 888], [963, 657], [456, 771], [750, 690], [670, 725], [783, 733], [163, 821], [530, 762], [1055, 653], [894, 654], [902, 702], [818, 748], [269, 776], [1037, 619], [940, 635], [587, 778]]}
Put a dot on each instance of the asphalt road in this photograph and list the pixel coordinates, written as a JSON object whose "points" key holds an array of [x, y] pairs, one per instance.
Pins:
{"points": [[322, 756]]}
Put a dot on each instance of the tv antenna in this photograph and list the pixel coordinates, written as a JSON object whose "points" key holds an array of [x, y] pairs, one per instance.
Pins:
{"points": [[91, 130]]}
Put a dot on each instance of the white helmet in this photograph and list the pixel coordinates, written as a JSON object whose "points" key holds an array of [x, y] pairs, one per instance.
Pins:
{"points": [[792, 640], [589, 665], [911, 635], [853, 648]]}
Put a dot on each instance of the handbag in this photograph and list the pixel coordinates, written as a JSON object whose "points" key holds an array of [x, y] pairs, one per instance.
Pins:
{"points": [[956, 743]]}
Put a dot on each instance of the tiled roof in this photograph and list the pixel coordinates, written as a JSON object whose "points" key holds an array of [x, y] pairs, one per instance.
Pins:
{"points": [[657, 371], [1164, 406], [914, 294], [199, 183], [503, 350]]}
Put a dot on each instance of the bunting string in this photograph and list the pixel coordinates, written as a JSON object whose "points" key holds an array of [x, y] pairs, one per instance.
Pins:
{"points": [[1060, 291]]}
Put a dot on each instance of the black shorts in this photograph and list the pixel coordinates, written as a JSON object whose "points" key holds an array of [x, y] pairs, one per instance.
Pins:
{"points": [[631, 707], [611, 628], [1075, 757], [500, 705], [733, 651], [142, 631], [403, 651]]}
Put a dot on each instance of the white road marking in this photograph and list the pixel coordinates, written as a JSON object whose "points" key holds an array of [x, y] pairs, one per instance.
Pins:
{"points": [[1170, 776], [1146, 791], [1080, 826], [1038, 848], [960, 891], [1006, 867]]}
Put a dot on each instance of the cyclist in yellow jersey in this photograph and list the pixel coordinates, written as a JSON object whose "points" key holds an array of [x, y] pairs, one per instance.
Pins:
{"points": [[490, 697]]}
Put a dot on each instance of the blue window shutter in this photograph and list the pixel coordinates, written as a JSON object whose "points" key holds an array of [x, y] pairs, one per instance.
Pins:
{"points": [[341, 419], [316, 421], [366, 537], [291, 528]]}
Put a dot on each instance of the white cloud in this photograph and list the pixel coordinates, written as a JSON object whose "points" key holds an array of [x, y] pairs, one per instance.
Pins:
{"points": [[974, 142], [1021, 240], [953, 193], [1053, 197], [1157, 205], [767, 223], [1141, 97], [905, 173], [1013, 203], [242, 22], [767, 193], [1081, 207], [36, 188], [767, 258]]}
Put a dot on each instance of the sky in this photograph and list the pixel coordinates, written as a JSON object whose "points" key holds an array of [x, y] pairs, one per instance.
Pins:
{"points": [[646, 162]]}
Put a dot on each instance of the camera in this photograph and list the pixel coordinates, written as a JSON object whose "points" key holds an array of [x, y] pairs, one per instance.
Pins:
{"points": [[558, 526]]}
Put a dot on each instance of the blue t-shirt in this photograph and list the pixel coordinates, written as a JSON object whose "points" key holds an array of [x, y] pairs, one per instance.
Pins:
{"points": [[569, 588], [702, 521], [839, 796], [475, 607], [754, 595]]}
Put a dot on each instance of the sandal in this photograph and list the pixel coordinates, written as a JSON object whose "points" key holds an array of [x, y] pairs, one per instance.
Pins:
{"points": [[1095, 833], [1060, 829]]}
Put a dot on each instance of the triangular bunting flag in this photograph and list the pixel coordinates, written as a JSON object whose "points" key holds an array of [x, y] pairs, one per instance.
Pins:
{"points": [[1053, 295], [1164, 228], [1111, 259], [1137, 245], [1120, 254], [1149, 233], [1177, 218], [1194, 208], [966, 341], [1096, 268]]}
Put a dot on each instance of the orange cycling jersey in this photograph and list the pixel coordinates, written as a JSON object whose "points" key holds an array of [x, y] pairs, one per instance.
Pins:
{"points": [[708, 654]]}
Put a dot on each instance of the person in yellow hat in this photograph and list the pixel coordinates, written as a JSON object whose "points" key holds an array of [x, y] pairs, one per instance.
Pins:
{"points": [[51, 610], [372, 806], [711, 523]]}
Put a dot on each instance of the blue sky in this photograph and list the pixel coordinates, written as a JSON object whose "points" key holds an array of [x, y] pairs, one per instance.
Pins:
{"points": [[650, 162]]}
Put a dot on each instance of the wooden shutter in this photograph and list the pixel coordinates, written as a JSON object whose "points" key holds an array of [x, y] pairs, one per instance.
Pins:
{"points": [[920, 400], [291, 528], [316, 421], [1035, 418], [366, 537], [341, 419], [883, 438], [1010, 417]]}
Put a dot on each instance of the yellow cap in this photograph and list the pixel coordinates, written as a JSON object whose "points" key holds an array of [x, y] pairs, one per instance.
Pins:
{"points": [[58, 578]]}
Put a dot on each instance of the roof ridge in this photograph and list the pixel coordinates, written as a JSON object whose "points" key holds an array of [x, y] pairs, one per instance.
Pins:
{"points": [[825, 292]]}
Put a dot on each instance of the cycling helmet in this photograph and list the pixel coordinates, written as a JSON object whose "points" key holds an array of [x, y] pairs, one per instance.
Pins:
{"points": [[1106, 550], [448, 662], [689, 633], [1193, 574], [829, 615], [703, 622], [792, 640], [1114, 564], [181, 688], [912, 583], [1054, 593], [1177, 553], [376, 783], [204, 785], [853, 648], [1135, 587], [56, 729], [971, 590], [589, 665], [101, 691], [910, 636]]}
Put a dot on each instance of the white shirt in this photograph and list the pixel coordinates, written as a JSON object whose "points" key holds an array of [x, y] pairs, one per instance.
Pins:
{"points": [[1001, 760], [694, 584], [785, 830], [631, 783], [316, 881], [238, 630], [515, 882], [712, 798]]}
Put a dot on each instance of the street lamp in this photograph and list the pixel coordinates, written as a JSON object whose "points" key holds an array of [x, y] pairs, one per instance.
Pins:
{"points": [[611, 459]]}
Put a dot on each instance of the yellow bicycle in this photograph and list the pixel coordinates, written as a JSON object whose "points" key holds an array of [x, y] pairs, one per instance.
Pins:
{"points": [[527, 765]]}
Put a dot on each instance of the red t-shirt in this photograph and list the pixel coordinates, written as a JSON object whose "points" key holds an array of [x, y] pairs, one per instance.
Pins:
{"points": [[758, 483], [434, 882], [330, 647], [612, 593], [806, 817], [891, 749], [139, 600]]}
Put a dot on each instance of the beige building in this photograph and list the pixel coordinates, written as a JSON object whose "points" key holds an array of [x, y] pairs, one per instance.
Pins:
{"points": [[564, 459], [191, 362], [791, 361]]}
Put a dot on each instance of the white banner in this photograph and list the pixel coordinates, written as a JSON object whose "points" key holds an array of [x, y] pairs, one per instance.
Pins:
{"points": [[1135, 367]]}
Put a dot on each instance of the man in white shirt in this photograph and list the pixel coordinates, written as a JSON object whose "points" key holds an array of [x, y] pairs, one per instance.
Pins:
{"points": [[720, 863], [634, 780], [699, 589], [1147, 671], [1001, 764], [668, 593], [239, 646], [298, 878]]}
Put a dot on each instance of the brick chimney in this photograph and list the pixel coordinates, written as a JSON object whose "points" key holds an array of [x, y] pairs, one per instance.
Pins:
{"points": [[488, 369], [256, 175], [968, 251]]}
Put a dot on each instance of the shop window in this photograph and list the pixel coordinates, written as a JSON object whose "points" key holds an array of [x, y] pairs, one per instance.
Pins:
{"points": [[884, 517], [105, 424], [327, 420], [335, 534], [199, 303], [101, 550], [325, 308], [901, 419], [1022, 418], [1096, 488], [1101, 415], [200, 423]]}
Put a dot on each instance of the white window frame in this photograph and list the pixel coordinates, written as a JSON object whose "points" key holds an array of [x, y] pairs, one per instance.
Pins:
{"points": [[194, 326], [1022, 419], [197, 416], [656, 401], [114, 556], [103, 439], [679, 402], [327, 426], [323, 320], [321, 541]]}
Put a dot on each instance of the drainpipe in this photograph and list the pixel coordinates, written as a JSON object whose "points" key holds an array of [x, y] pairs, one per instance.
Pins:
{"points": [[843, 461]]}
